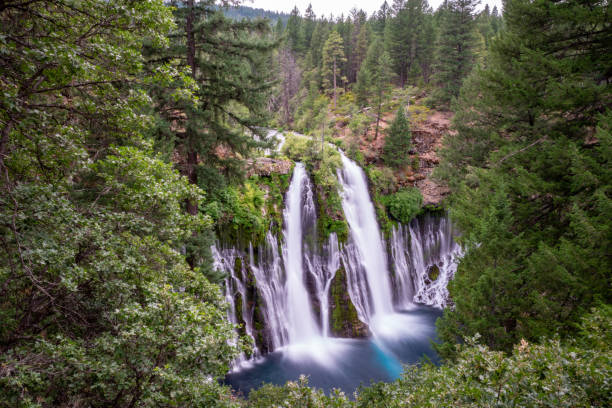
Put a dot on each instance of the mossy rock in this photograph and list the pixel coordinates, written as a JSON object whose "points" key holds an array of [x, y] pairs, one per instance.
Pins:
{"points": [[344, 320], [433, 272]]}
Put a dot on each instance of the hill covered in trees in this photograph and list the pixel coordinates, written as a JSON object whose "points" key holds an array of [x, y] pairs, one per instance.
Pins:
{"points": [[125, 129]]}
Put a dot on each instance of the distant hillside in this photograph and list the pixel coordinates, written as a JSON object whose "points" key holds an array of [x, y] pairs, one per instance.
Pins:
{"points": [[241, 12]]}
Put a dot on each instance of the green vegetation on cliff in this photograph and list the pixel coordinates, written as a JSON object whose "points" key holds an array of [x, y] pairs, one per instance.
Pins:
{"points": [[330, 217]]}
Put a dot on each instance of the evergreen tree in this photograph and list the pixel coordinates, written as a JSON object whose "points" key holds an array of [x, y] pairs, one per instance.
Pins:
{"points": [[426, 47], [360, 51], [333, 57], [397, 141], [374, 79], [309, 25], [455, 49], [225, 63], [295, 33], [379, 19], [529, 166], [403, 34]]}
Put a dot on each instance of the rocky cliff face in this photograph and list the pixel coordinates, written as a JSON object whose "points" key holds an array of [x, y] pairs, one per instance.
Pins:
{"points": [[265, 166], [427, 139], [427, 128]]}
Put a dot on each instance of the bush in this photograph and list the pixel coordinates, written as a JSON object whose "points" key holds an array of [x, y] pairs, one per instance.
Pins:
{"points": [[404, 205], [383, 180]]}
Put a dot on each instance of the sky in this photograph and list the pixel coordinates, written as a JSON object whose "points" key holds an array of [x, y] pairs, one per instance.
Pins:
{"points": [[337, 7]]}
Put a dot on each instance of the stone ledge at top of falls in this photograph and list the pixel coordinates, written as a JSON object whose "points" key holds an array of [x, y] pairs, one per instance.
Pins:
{"points": [[265, 166]]}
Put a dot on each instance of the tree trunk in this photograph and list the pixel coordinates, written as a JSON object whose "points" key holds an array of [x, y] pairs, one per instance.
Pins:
{"points": [[192, 155], [378, 116], [190, 39], [334, 83]]}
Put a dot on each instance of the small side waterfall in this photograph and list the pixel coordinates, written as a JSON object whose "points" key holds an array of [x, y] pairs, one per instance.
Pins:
{"points": [[299, 318], [270, 281], [224, 260], [404, 279], [364, 258], [425, 257], [323, 268]]}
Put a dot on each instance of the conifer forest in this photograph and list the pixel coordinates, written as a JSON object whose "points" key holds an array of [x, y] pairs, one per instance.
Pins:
{"points": [[206, 203]]}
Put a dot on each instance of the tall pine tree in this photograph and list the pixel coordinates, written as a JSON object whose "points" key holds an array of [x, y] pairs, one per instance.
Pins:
{"points": [[529, 166], [397, 141], [455, 50], [224, 64], [333, 58]]}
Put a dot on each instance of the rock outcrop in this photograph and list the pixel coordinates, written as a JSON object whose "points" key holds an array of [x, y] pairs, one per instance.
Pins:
{"points": [[265, 166]]}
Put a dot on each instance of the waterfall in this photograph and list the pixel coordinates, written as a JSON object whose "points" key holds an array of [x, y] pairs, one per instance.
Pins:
{"points": [[365, 258], [286, 279], [300, 319], [400, 254], [425, 245], [224, 260], [323, 269], [270, 281]]}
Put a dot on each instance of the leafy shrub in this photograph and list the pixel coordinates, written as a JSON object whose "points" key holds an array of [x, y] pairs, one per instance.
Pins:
{"points": [[382, 179], [404, 205], [359, 124], [300, 148]]}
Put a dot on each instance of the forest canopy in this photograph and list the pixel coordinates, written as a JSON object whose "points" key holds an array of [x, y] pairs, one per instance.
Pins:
{"points": [[125, 129]]}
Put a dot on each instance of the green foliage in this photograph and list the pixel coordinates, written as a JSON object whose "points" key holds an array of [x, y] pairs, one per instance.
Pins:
{"points": [[529, 170], [359, 124], [295, 394], [99, 307], [406, 37], [397, 141], [404, 205], [382, 179], [242, 216], [301, 148], [224, 66], [333, 56], [455, 50], [344, 319]]}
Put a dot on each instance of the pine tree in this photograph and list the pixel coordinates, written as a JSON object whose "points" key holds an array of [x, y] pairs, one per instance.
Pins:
{"points": [[225, 61], [528, 165], [333, 57], [360, 52], [374, 79], [379, 20], [455, 50], [295, 33], [398, 141], [403, 35], [426, 47], [309, 25]]}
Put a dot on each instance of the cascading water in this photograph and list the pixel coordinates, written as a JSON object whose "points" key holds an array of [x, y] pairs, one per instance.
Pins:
{"points": [[300, 319], [404, 280], [323, 270], [224, 260], [429, 246], [364, 257], [270, 282], [291, 282]]}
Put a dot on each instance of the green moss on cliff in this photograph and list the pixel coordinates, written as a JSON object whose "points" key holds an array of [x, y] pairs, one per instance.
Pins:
{"points": [[344, 320]]}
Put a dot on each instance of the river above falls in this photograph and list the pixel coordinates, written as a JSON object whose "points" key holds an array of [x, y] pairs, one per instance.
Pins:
{"points": [[400, 338]]}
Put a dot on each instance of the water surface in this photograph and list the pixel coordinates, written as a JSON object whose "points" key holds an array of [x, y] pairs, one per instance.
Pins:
{"points": [[400, 338]]}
